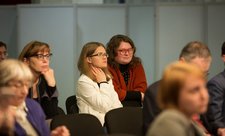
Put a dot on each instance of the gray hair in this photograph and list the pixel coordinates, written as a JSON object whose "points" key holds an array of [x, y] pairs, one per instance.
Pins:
{"points": [[11, 69]]}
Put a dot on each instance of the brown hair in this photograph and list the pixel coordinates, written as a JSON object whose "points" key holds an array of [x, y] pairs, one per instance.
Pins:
{"points": [[114, 44], [2, 44], [223, 49], [83, 66], [195, 49], [173, 80], [32, 48]]}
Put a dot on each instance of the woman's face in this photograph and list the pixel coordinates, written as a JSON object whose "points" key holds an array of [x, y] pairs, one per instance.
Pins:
{"points": [[98, 58], [40, 62], [193, 97], [16, 92], [124, 53]]}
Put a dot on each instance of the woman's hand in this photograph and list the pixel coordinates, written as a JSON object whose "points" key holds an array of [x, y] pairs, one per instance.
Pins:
{"points": [[49, 77], [142, 96], [98, 74], [60, 131]]}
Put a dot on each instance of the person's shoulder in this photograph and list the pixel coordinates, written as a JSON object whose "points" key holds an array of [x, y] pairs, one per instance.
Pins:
{"points": [[84, 77], [219, 78], [153, 88], [172, 115], [31, 101], [32, 104]]}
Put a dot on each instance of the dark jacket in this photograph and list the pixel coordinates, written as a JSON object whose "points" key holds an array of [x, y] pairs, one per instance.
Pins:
{"points": [[47, 97], [216, 109], [150, 106]]}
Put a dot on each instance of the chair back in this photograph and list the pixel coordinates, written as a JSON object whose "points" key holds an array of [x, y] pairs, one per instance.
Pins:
{"points": [[127, 120], [61, 111], [71, 105], [79, 124]]}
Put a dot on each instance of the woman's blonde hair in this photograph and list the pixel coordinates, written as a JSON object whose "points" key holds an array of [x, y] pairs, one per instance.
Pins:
{"points": [[173, 79], [11, 69], [32, 48], [83, 66]]}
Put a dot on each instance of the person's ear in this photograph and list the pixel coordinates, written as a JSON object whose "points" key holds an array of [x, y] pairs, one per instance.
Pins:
{"points": [[89, 60], [182, 59], [26, 61]]}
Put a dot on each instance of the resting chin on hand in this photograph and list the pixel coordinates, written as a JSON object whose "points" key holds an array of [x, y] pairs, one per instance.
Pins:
{"points": [[99, 74], [221, 131], [49, 77]]}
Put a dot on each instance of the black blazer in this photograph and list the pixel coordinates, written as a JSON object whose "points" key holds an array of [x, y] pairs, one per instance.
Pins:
{"points": [[150, 106], [216, 109]]}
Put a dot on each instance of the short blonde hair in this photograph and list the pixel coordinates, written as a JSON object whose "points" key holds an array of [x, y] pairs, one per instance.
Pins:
{"points": [[173, 80], [11, 69]]}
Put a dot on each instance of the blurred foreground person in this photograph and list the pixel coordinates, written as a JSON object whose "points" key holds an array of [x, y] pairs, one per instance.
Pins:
{"points": [[182, 94]]}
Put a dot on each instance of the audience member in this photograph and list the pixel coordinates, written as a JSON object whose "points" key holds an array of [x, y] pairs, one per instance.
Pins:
{"points": [[216, 109], [182, 93], [95, 92], [129, 78], [195, 53], [15, 80], [37, 56], [3, 51]]}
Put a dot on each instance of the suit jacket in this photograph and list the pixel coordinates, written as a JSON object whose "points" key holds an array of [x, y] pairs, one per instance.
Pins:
{"points": [[137, 80], [216, 109], [96, 99], [150, 106], [174, 123], [36, 117]]}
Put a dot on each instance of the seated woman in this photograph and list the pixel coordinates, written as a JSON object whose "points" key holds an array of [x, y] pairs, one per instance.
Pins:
{"points": [[95, 92], [15, 80], [128, 73], [37, 56], [182, 94]]}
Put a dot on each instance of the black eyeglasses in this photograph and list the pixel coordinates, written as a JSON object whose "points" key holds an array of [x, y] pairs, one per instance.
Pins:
{"points": [[100, 54], [42, 56]]}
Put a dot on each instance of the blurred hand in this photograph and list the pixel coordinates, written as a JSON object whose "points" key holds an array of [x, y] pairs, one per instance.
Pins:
{"points": [[49, 77], [221, 132], [98, 74], [7, 119], [60, 131]]}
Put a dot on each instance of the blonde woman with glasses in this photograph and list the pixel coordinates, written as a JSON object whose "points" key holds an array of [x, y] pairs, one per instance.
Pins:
{"points": [[37, 55], [95, 92]]}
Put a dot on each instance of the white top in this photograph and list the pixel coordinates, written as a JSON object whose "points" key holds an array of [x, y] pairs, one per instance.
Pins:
{"points": [[94, 99]]}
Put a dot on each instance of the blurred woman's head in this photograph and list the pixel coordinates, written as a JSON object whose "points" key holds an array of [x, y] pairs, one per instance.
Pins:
{"points": [[15, 80], [36, 55], [183, 87], [92, 54]]}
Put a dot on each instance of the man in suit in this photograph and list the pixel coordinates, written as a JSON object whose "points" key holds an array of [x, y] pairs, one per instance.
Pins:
{"points": [[195, 53], [216, 109]]}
